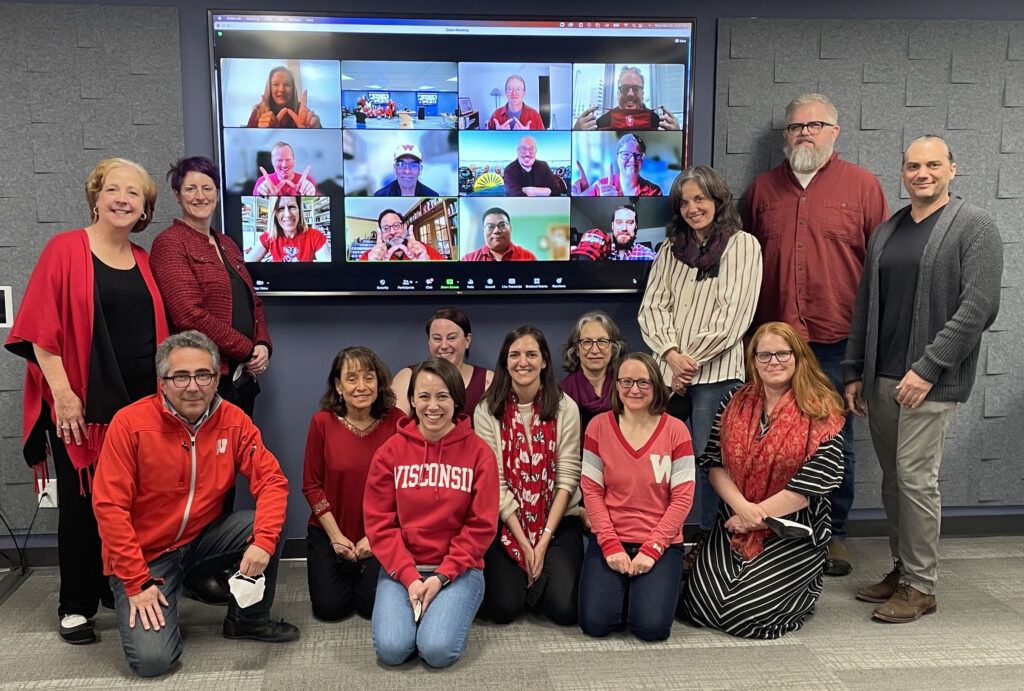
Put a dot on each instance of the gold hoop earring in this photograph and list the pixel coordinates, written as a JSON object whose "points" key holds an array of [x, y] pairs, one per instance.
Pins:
{"points": [[95, 214]]}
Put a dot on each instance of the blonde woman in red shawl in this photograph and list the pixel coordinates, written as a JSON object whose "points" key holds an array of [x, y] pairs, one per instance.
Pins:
{"points": [[775, 453]]}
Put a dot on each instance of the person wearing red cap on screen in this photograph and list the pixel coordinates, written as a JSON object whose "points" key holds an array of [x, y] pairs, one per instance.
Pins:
{"points": [[408, 166]]}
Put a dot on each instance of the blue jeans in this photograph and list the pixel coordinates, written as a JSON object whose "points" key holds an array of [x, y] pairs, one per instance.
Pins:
{"points": [[440, 635], [830, 357], [706, 399], [219, 546], [651, 597]]}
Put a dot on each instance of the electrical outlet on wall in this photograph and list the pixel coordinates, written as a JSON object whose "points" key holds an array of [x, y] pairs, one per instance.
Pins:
{"points": [[48, 495]]}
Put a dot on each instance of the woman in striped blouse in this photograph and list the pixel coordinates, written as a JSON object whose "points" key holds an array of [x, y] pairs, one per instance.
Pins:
{"points": [[699, 302], [775, 452]]}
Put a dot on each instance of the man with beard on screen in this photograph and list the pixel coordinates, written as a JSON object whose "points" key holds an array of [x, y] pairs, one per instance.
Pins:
{"points": [[395, 241], [813, 214], [620, 244], [631, 114]]}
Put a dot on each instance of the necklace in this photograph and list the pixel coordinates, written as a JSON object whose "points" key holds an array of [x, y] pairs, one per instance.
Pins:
{"points": [[358, 431]]}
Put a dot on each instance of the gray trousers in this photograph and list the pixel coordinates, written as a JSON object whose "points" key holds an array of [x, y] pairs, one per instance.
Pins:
{"points": [[908, 442]]}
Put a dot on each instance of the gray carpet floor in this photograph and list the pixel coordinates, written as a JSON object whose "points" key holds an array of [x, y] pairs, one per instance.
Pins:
{"points": [[974, 641]]}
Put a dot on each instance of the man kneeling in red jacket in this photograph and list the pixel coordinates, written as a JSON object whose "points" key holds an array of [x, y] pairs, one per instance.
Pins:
{"points": [[166, 464]]}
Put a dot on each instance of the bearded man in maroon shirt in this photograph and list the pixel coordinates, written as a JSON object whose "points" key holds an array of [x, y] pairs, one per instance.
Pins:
{"points": [[813, 214]]}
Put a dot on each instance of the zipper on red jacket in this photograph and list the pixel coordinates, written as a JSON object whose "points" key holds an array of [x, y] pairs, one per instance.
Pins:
{"points": [[191, 487]]}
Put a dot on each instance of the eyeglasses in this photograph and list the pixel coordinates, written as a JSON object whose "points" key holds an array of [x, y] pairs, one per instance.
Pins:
{"points": [[393, 227], [514, 89], [626, 88], [781, 355], [812, 127], [491, 227], [527, 149], [181, 381], [588, 343], [631, 156], [411, 165], [627, 383]]}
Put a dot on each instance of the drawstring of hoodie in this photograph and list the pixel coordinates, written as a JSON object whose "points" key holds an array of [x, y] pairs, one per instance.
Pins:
{"points": [[426, 457]]}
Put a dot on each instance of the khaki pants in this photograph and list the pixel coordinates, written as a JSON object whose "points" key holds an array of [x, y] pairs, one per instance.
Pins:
{"points": [[908, 442]]}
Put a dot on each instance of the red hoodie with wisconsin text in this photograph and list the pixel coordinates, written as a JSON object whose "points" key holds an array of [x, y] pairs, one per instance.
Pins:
{"points": [[431, 504]]}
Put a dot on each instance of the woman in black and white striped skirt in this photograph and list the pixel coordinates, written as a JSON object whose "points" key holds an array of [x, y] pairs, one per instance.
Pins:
{"points": [[774, 454]]}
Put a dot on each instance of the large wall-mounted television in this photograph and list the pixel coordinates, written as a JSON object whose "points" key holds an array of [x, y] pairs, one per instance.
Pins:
{"points": [[470, 155]]}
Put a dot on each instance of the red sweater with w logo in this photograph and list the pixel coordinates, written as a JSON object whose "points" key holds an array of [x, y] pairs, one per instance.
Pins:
{"points": [[637, 495]]}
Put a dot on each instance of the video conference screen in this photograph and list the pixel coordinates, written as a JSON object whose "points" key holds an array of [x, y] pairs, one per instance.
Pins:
{"points": [[368, 155]]}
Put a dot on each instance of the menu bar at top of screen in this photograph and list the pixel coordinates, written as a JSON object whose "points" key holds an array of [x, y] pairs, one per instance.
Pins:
{"points": [[560, 27]]}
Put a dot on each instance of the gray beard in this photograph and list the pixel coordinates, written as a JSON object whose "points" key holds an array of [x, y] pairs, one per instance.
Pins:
{"points": [[804, 160]]}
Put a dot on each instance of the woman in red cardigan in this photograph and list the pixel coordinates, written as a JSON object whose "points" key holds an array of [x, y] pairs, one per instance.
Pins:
{"points": [[202, 276], [357, 415], [89, 325]]}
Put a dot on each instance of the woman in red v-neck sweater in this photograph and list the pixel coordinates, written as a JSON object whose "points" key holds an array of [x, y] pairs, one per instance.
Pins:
{"points": [[357, 416], [638, 487]]}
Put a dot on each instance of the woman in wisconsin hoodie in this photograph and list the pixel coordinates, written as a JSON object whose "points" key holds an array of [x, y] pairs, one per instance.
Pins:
{"points": [[430, 510]]}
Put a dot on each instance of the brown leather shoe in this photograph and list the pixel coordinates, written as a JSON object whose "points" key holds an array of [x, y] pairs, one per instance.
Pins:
{"points": [[837, 562], [882, 591], [691, 557], [906, 604]]}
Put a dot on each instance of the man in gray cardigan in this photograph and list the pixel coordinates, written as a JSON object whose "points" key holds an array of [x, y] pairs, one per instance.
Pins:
{"points": [[930, 287]]}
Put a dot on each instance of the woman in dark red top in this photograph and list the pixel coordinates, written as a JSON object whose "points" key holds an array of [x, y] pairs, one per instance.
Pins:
{"points": [[357, 415], [448, 337], [202, 277]]}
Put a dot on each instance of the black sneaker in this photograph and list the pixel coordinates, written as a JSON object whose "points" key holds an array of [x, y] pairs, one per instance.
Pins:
{"points": [[267, 631], [76, 629], [787, 529]]}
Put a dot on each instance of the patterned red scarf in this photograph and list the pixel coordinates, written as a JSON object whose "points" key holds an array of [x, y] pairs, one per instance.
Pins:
{"points": [[528, 460], [763, 465]]}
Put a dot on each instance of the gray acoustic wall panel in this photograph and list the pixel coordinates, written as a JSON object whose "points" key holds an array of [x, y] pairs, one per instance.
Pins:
{"points": [[893, 81], [81, 83]]}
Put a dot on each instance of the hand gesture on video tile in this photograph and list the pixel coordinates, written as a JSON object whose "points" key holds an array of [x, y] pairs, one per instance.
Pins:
{"points": [[380, 250], [667, 121], [586, 120], [507, 125], [307, 118], [582, 185], [304, 187], [516, 125], [266, 115], [608, 189], [416, 250], [268, 187]]}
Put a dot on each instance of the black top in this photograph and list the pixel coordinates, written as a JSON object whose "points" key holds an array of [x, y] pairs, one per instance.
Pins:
{"points": [[243, 319], [127, 309], [898, 267]]}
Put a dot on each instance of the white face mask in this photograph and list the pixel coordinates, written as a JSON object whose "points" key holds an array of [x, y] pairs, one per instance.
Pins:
{"points": [[247, 591]]}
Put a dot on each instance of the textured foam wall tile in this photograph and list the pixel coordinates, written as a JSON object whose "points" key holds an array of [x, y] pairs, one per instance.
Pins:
{"points": [[1013, 264], [973, 106], [744, 39], [1012, 140], [878, 104], [996, 481], [1011, 176], [927, 83], [1013, 96], [932, 41], [1015, 42], [880, 150]]}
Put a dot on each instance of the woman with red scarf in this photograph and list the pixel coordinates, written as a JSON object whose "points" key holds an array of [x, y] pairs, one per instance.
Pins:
{"points": [[775, 454], [534, 430], [89, 325]]}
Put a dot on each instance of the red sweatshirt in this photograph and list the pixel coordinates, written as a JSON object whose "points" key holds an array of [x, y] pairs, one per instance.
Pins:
{"points": [[637, 495], [431, 504], [334, 473], [158, 485]]}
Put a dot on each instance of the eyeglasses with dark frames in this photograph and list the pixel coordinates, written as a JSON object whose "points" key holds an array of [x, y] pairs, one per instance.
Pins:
{"points": [[764, 357], [181, 381], [813, 127]]}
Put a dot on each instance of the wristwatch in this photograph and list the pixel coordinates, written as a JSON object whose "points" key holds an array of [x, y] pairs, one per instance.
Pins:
{"points": [[444, 579]]}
